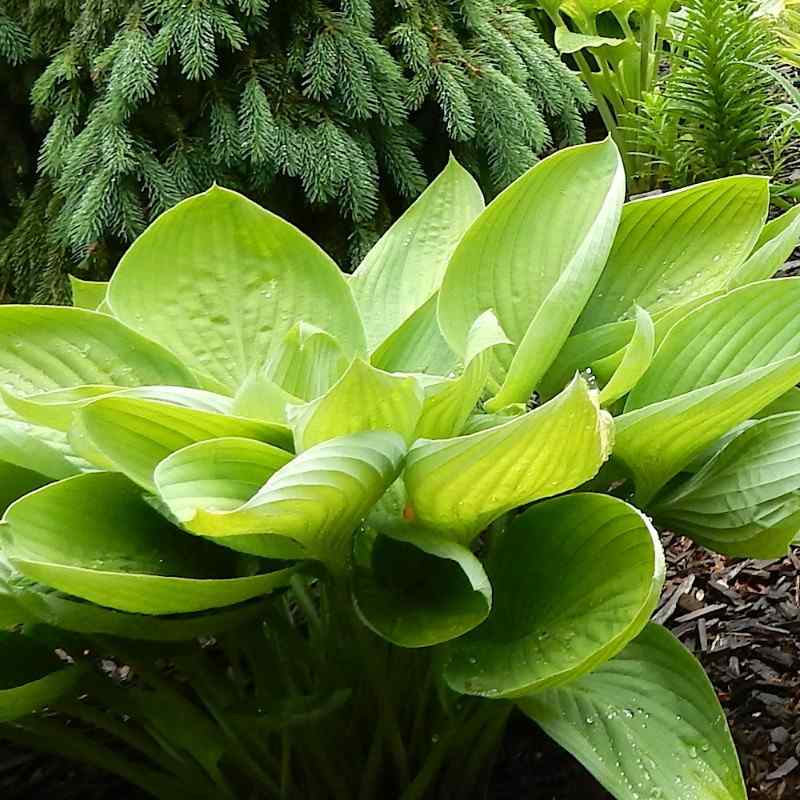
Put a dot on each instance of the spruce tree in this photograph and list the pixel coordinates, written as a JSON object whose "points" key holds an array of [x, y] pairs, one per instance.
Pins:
{"points": [[332, 112]]}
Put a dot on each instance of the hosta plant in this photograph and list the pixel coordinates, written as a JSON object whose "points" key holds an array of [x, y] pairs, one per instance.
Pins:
{"points": [[274, 532]]}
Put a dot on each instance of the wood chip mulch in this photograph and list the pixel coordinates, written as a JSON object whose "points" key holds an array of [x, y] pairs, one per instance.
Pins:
{"points": [[741, 618]]}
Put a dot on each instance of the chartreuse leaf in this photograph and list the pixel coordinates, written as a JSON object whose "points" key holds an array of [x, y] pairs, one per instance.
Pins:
{"points": [[449, 403], [405, 268], [605, 347], [307, 363], [87, 294], [363, 399], [16, 481], [57, 409], [220, 281], [417, 589], [778, 239], [789, 401], [219, 475], [31, 676], [35, 448], [565, 211], [746, 500], [555, 615], [677, 247], [259, 397], [135, 434], [646, 724], [417, 345], [718, 366], [458, 486], [120, 552], [43, 348], [635, 361], [316, 500]]}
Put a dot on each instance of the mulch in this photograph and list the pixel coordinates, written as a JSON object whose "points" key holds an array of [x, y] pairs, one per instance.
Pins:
{"points": [[741, 618]]}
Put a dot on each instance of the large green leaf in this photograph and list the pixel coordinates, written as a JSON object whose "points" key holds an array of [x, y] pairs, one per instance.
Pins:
{"points": [[364, 399], [93, 536], [417, 345], [220, 281], [678, 246], [57, 409], [646, 724], [316, 500], [746, 500], [555, 614], [35, 448], [12, 613], [71, 614], [715, 368], [405, 268], [87, 294], [608, 343], [564, 210], [220, 475], [31, 676], [635, 361], [776, 243], [135, 434], [417, 589], [307, 363], [448, 403], [458, 486], [43, 348]]}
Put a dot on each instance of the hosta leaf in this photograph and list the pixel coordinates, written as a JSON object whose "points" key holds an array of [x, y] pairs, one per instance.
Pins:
{"points": [[646, 724], [715, 368], [415, 588], [742, 330], [35, 448], [555, 615], [136, 434], [70, 614], [776, 243], [458, 486], [259, 397], [205, 479], [746, 500], [657, 441], [789, 401], [87, 294], [16, 481], [636, 360], [307, 363], [405, 268], [608, 343], [565, 209], [57, 409], [317, 499], [220, 281], [364, 399], [43, 348], [417, 345], [31, 676], [449, 403], [93, 536], [678, 246]]}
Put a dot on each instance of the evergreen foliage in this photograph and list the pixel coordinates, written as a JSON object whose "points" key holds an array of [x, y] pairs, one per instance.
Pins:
{"points": [[346, 106], [715, 111]]}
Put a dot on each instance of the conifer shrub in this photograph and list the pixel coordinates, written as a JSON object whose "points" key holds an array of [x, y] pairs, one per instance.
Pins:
{"points": [[346, 108]]}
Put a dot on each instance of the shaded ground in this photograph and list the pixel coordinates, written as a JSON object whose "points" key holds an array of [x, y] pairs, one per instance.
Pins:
{"points": [[740, 617]]}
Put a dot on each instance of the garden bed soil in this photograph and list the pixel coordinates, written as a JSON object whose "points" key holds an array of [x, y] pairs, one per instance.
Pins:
{"points": [[741, 618]]}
